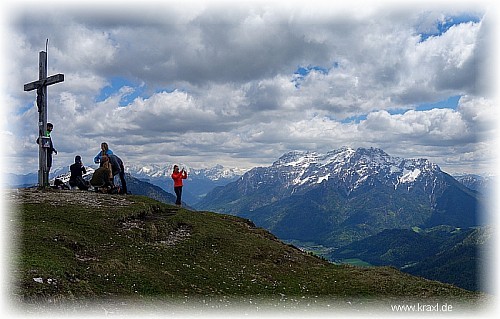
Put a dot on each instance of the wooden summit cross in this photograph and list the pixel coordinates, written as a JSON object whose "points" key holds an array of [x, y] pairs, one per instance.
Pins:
{"points": [[41, 100]]}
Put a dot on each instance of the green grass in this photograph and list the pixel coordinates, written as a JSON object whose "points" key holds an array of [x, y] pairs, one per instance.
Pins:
{"points": [[127, 251], [356, 262]]}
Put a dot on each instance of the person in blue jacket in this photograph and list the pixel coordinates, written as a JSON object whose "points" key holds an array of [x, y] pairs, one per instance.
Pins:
{"points": [[104, 151]]}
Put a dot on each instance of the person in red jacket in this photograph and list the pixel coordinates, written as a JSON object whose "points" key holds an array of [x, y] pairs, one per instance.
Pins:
{"points": [[178, 176]]}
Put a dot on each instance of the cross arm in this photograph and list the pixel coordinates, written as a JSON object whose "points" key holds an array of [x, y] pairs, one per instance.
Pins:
{"points": [[43, 82]]}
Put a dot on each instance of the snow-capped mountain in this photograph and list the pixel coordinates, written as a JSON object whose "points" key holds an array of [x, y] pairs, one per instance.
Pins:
{"points": [[215, 173], [218, 173], [297, 171], [300, 170], [198, 184], [345, 193]]}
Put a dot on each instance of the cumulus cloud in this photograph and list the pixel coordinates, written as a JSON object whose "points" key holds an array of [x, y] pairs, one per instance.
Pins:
{"points": [[241, 84]]}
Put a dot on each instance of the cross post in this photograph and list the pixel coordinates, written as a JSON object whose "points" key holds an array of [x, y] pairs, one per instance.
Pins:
{"points": [[41, 100]]}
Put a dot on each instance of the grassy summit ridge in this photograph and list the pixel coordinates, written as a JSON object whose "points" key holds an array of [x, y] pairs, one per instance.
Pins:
{"points": [[76, 245]]}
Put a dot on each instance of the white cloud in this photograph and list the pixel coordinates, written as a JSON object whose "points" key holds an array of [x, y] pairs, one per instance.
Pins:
{"points": [[436, 126], [216, 83]]}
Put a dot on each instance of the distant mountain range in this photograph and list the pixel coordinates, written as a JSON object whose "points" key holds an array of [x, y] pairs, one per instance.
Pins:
{"points": [[201, 181], [345, 195], [476, 182]]}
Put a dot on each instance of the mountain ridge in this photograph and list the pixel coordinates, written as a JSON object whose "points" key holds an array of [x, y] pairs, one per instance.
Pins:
{"points": [[214, 173], [361, 191], [159, 175]]}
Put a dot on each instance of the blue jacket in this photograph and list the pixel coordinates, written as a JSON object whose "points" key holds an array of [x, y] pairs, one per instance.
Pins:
{"points": [[97, 158]]}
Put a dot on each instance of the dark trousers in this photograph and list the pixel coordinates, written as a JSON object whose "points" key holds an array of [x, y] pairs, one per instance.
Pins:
{"points": [[178, 193], [79, 182], [124, 183], [49, 159]]}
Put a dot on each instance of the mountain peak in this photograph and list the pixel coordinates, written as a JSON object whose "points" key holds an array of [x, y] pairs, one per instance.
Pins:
{"points": [[296, 158], [353, 167]]}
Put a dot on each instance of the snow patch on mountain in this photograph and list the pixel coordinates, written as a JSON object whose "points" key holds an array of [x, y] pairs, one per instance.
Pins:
{"points": [[409, 176], [323, 178]]}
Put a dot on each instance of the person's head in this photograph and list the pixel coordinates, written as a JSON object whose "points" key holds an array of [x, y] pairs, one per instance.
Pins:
{"points": [[176, 168], [104, 146], [50, 126], [78, 159]]}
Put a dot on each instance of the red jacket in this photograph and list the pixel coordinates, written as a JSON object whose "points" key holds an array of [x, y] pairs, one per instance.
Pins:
{"points": [[178, 177]]}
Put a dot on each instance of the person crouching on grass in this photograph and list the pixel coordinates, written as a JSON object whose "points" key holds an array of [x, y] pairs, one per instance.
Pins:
{"points": [[178, 177]]}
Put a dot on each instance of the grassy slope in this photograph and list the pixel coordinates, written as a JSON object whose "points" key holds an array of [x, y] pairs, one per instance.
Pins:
{"points": [[134, 246]]}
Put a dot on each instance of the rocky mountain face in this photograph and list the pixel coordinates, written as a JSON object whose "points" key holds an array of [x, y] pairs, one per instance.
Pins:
{"points": [[345, 195]]}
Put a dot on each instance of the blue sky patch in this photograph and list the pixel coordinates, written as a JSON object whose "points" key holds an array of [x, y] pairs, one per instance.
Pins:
{"points": [[26, 107], [444, 25], [116, 84], [303, 71], [354, 119], [449, 103]]}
